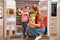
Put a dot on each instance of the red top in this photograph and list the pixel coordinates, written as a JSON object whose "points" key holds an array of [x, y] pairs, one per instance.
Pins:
{"points": [[45, 20], [42, 24], [37, 18]]}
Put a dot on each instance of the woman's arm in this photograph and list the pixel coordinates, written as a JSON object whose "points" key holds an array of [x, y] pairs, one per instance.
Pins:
{"points": [[36, 25]]}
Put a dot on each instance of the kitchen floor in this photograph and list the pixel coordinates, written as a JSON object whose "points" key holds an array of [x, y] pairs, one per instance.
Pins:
{"points": [[53, 37], [30, 38]]}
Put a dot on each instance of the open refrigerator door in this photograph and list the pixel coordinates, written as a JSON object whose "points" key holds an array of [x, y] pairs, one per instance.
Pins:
{"points": [[9, 17]]}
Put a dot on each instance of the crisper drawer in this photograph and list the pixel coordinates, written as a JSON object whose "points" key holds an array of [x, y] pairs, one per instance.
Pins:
{"points": [[53, 30], [53, 25], [53, 21]]}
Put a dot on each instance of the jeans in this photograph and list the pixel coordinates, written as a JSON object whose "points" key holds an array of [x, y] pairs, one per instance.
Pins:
{"points": [[35, 31], [45, 30], [24, 25]]}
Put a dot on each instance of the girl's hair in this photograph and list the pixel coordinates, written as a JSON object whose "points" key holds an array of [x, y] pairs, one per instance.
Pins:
{"points": [[26, 6]]}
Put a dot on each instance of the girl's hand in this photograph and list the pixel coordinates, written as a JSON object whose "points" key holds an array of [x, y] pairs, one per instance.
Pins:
{"points": [[20, 13]]}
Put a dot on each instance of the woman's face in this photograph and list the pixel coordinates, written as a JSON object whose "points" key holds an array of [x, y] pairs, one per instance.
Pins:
{"points": [[32, 10], [35, 5]]}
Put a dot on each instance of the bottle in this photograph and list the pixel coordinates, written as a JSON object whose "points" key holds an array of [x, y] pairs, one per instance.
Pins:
{"points": [[7, 32]]}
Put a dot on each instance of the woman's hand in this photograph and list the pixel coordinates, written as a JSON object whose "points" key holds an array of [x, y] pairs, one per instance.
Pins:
{"points": [[36, 25], [30, 25]]}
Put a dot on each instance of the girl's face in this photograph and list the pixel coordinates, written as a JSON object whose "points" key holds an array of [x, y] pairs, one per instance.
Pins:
{"points": [[27, 9], [24, 10]]}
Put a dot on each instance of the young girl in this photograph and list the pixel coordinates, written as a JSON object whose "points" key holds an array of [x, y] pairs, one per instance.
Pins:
{"points": [[25, 16]]}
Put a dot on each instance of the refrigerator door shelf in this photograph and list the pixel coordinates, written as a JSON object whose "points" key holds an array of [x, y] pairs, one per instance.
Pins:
{"points": [[11, 20]]}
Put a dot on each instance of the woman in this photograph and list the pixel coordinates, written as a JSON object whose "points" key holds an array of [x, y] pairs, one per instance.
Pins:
{"points": [[39, 27]]}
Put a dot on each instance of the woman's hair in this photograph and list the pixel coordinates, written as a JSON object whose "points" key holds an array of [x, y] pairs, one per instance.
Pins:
{"points": [[36, 8]]}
